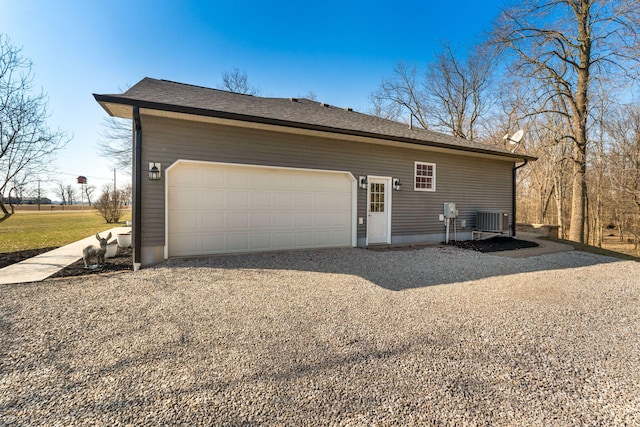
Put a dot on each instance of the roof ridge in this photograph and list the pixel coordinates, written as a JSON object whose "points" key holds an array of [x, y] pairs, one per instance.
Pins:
{"points": [[202, 87]]}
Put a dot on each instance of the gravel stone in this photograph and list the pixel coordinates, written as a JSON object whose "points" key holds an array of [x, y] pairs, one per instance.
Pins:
{"points": [[340, 337]]}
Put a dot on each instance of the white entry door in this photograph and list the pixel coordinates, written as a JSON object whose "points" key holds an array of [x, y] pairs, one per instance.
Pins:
{"points": [[378, 210]]}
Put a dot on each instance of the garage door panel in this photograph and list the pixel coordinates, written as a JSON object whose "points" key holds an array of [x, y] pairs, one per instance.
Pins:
{"points": [[213, 221], [303, 181], [283, 200], [238, 199], [283, 240], [213, 243], [186, 244], [188, 222], [303, 201], [322, 201], [341, 202], [217, 208], [304, 239], [322, 238], [215, 178], [238, 178], [184, 197], [283, 219], [339, 238], [323, 184], [238, 220], [186, 176], [262, 241], [261, 220], [341, 219], [261, 200], [284, 180], [341, 186], [303, 219], [261, 179], [212, 198], [238, 242], [322, 219]]}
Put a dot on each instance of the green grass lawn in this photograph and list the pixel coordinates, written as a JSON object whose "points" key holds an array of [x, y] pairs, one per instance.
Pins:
{"points": [[35, 230]]}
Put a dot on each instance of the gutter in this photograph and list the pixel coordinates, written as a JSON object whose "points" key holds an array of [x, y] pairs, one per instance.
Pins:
{"points": [[137, 193], [513, 196]]}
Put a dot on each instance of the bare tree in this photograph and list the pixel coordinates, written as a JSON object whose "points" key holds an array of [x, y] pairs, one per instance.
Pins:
{"points": [[311, 95], [116, 142], [62, 192], [25, 140], [14, 191], [458, 92], [237, 81], [71, 194], [127, 193], [110, 204], [401, 96], [37, 193], [452, 95], [561, 48], [88, 191]]}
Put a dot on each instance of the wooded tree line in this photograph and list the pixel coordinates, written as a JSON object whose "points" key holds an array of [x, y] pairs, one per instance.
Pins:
{"points": [[567, 72]]}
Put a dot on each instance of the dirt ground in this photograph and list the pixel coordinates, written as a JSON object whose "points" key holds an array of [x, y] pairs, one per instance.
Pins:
{"points": [[612, 242]]}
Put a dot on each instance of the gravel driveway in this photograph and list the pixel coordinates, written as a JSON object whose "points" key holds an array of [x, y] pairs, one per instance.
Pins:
{"points": [[332, 337]]}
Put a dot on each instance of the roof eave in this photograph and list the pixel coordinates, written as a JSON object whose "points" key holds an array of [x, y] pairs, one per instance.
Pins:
{"points": [[104, 100]]}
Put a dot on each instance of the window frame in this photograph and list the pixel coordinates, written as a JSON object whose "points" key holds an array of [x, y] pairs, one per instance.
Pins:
{"points": [[415, 176]]}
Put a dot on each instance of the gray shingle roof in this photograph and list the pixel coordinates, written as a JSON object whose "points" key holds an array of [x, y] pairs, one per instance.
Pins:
{"points": [[301, 113]]}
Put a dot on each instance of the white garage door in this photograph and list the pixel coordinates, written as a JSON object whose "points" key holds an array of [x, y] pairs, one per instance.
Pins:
{"points": [[218, 208]]}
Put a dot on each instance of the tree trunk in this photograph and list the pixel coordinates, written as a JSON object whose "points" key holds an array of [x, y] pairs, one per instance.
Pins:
{"points": [[580, 114], [579, 193], [559, 197], [5, 213]]}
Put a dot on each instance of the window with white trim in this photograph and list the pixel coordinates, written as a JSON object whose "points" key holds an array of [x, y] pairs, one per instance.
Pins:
{"points": [[424, 177]]}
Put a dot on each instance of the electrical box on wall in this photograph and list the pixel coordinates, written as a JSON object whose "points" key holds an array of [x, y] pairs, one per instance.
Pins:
{"points": [[450, 210], [441, 217]]}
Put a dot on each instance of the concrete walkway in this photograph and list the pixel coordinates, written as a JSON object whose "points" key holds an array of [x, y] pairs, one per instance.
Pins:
{"points": [[545, 247], [42, 266]]}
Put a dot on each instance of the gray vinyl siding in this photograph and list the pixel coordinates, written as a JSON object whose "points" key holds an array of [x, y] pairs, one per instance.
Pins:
{"points": [[471, 183]]}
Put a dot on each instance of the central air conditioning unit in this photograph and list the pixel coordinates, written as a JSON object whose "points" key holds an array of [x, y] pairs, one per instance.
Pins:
{"points": [[492, 221]]}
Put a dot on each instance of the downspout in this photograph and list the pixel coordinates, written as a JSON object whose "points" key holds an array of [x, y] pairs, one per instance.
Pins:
{"points": [[513, 196], [137, 193]]}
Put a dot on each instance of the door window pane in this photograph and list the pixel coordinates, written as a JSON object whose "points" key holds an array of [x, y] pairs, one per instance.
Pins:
{"points": [[376, 197]]}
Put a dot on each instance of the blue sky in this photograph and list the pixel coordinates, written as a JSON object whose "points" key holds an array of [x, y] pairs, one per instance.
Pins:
{"points": [[339, 50]]}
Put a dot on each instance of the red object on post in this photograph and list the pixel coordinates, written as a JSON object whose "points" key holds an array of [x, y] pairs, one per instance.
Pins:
{"points": [[82, 180]]}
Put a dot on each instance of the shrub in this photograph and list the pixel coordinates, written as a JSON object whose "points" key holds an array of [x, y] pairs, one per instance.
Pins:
{"points": [[111, 204]]}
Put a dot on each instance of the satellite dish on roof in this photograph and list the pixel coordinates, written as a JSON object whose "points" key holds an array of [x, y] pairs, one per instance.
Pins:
{"points": [[517, 137], [514, 139]]}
